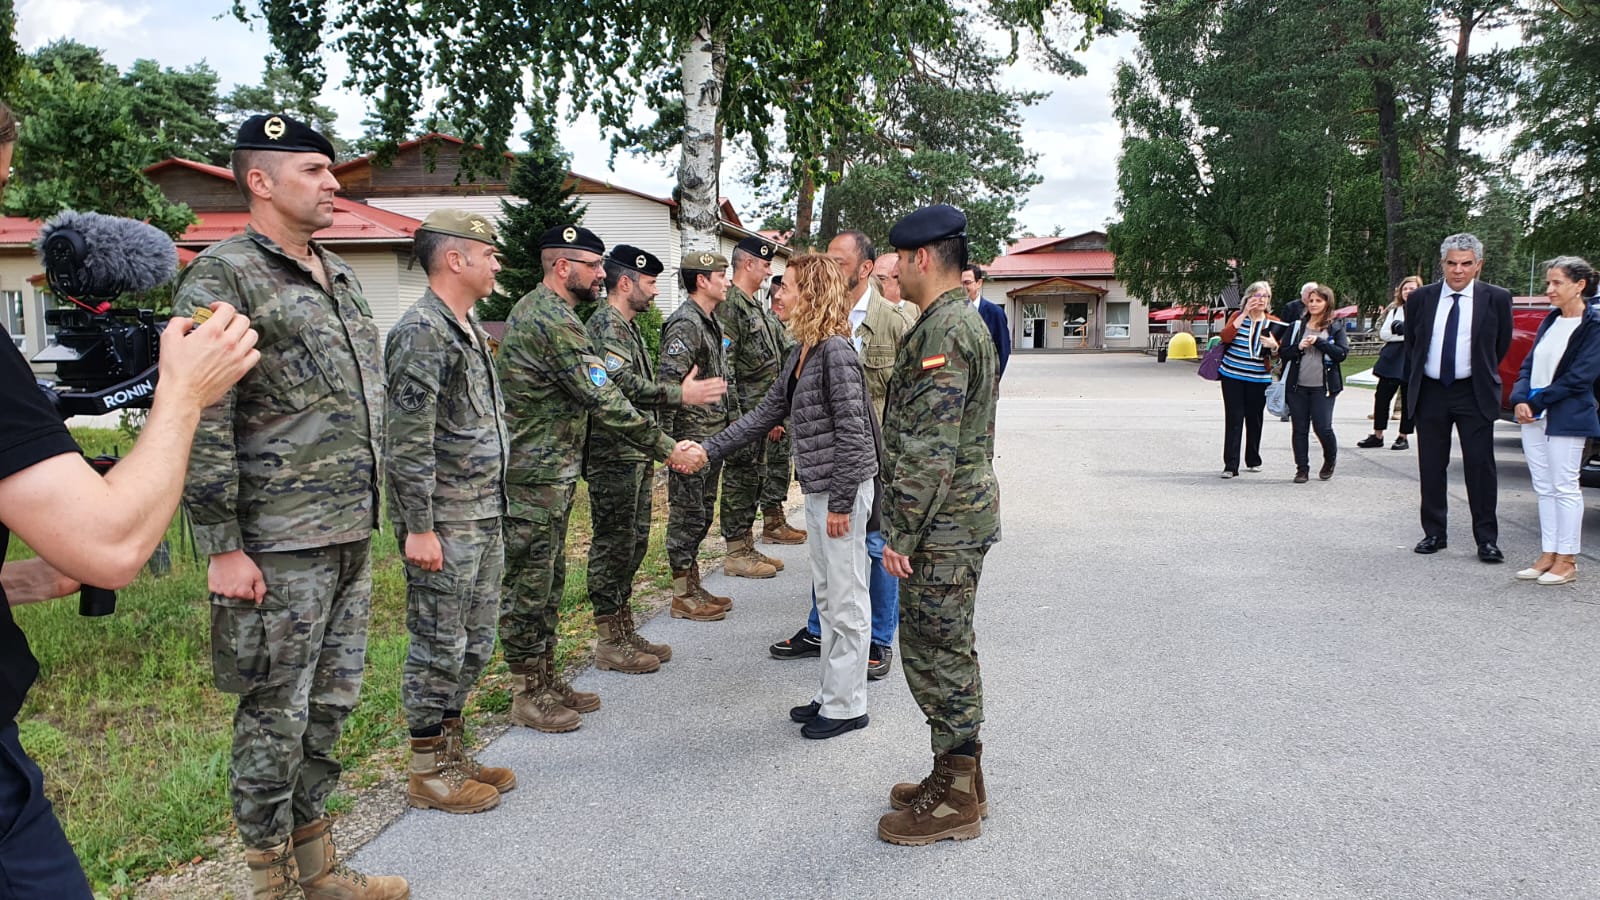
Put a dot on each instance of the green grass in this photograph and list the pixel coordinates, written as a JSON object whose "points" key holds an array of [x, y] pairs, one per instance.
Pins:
{"points": [[134, 740]]}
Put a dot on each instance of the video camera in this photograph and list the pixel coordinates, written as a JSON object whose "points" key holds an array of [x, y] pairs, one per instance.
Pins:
{"points": [[106, 359]]}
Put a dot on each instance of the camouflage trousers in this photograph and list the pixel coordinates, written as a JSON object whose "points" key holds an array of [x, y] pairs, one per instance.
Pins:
{"points": [[742, 475], [936, 642], [779, 473], [691, 502], [619, 508], [295, 660], [451, 617], [536, 569]]}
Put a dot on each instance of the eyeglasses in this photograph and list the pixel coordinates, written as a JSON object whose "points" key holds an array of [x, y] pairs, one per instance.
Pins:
{"points": [[591, 263]]}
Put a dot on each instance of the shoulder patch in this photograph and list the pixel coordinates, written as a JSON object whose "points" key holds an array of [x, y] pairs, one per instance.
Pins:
{"points": [[676, 346], [727, 342], [411, 396], [933, 362], [597, 374]]}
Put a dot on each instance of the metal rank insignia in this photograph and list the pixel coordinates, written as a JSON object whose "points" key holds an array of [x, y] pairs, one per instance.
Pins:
{"points": [[570, 234], [274, 128]]}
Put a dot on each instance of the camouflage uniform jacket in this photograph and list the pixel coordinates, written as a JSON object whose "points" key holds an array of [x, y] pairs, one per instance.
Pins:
{"points": [[554, 385], [939, 437], [627, 362], [879, 336], [446, 442], [691, 338], [289, 459], [755, 348]]}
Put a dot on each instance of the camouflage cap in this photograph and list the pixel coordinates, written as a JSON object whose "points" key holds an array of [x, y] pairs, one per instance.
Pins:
{"points": [[460, 223], [703, 262], [280, 132]]}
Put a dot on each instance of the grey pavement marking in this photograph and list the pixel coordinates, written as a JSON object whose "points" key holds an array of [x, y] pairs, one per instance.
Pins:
{"points": [[1195, 688]]}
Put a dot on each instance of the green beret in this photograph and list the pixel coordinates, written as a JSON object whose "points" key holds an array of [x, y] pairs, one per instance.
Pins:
{"points": [[703, 262], [757, 247], [571, 237], [641, 261], [928, 225], [280, 132], [459, 223]]}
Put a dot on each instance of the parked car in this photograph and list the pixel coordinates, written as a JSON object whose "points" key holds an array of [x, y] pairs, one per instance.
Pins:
{"points": [[1525, 321]]}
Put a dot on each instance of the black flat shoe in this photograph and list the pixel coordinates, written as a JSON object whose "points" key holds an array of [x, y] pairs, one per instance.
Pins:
{"points": [[1369, 442], [1327, 471], [1400, 443], [1489, 553], [805, 714], [804, 643], [1430, 544], [822, 727]]}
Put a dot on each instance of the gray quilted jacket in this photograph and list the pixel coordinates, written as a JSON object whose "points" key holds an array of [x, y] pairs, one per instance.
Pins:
{"points": [[831, 423]]}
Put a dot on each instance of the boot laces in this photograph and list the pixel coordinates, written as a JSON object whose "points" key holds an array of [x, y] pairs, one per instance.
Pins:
{"points": [[934, 788], [341, 871]]}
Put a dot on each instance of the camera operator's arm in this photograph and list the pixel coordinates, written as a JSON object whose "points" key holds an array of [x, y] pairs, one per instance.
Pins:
{"points": [[102, 530], [32, 580]]}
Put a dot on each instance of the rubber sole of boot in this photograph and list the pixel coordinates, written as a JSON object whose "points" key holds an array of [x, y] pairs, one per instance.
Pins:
{"points": [[959, 833], [714, 615], [546, 729], [730, 572], [626, 670], [423, 803], [897, 803]]}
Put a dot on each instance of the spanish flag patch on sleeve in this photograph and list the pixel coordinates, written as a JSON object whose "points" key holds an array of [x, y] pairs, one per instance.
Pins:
{"points": [[933, 362]]}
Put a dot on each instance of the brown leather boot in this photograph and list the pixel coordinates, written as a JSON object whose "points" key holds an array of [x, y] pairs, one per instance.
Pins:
{"points": [[538, 707], [772, 561], [575, 700], [686, 603], [273, 875], [662, 652], [615, 652], [434, 783], [743, 561], [501, 779], [775, 528], [905, 793], [946, 808], [324, 877], [717, 600]]}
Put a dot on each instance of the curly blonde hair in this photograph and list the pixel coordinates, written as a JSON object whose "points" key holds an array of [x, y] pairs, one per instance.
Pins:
{"points": [[818, 299]]}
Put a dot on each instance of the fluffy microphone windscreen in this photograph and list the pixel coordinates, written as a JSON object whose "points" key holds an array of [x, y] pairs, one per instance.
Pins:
{"points": [[98, 256]]}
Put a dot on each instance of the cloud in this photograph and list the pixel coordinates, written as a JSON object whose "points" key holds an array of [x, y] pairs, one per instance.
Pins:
{"points": [[95, 22]]}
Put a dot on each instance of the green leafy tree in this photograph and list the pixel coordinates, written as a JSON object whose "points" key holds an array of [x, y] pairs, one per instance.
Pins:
{"points": [[178, 110], [74, 61], [539, 180], [1558, 126], [11, 58]]}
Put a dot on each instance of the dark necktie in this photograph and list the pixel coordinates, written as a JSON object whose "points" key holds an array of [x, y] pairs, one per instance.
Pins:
{"points": [[1447, 350]]}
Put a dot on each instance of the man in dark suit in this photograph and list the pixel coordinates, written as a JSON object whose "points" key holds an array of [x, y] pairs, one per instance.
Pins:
{"points": [[994, 318], [1457, 331]]}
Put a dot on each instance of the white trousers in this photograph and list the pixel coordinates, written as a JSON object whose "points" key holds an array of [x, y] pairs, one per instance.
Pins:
{"points": [[839, 568], [1553, 464]]}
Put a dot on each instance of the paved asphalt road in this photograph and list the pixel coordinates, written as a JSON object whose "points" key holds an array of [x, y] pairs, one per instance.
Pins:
{"points": [[1195, 688]]}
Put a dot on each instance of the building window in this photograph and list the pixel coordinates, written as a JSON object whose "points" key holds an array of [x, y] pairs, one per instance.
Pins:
{"points": [[16, 323], [1117, 320]]}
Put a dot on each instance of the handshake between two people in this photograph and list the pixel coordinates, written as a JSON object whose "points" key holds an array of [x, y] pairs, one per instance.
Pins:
{"points": [[688, 458]]}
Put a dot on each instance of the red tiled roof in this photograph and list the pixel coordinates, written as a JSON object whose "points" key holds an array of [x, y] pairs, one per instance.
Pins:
{"points": [[16, 231], [1068, 263], [1059, 283], [352, 221], [176, 162]]}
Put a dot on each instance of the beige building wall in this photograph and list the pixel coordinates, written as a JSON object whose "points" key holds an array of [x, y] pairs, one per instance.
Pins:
{"points": [[1116, 320], [21, 304]]}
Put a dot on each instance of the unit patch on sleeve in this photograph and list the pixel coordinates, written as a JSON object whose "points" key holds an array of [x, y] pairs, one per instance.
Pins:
{"points": [[613, 362], [933, 362], [597, 374], [676, 347]]}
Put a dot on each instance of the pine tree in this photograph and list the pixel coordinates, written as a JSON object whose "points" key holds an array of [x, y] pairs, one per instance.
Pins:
{"points": [[539, 180]]}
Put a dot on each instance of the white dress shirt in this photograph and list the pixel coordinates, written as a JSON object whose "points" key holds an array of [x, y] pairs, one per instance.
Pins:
{"points": [[858, 314], [1463, 350]]}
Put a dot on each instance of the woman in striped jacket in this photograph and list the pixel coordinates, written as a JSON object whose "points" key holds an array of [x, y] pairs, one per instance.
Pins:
{"points": [[1250, 338]]}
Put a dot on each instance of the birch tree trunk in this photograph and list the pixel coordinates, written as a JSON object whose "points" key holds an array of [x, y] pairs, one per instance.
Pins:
{"points": [[704, 65]]}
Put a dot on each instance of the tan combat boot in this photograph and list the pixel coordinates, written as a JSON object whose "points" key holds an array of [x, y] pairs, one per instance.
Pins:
{"points": [[743, 561], [615, 652], [947, 807], [575, 700], [723, 603], [662, 652], [273, 875], [500, 779], [538, 707], [434, 783], [324, 877], [775, 528], [905, 793], [687, 604]]}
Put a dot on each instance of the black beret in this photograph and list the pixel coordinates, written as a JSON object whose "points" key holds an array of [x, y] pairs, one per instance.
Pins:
{"points": [[757, 247], [633, 258], [280, 132], [928, 225], [571, 237], [777, 280]]}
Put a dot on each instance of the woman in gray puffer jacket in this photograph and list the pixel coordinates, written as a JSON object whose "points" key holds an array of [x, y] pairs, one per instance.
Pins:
{"points": [[823, 393]]}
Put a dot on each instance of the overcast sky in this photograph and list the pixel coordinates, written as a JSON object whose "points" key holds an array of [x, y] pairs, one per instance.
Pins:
{"points": [[1073, 131]]}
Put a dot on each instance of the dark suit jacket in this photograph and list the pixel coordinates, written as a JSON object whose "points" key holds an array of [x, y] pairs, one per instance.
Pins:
{"points": [[1491, 338], [999, 330], [1568, 403]]}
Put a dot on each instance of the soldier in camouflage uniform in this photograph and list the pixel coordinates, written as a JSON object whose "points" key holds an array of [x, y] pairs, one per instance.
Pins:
{"points": [[555, 389], [445, 451], [620, 476], [283, 492], [779, 471], [691, 340], [940, 517], [753, 351]]}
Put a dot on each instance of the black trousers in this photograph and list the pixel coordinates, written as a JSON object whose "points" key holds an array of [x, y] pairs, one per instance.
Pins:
{"points": [[1438, 409], [1311, 408], [1387, 388], [35, 858], [1242, 405]]}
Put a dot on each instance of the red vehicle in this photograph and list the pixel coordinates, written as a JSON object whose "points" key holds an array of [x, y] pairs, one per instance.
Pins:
{"points": [[1525, 321]]}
